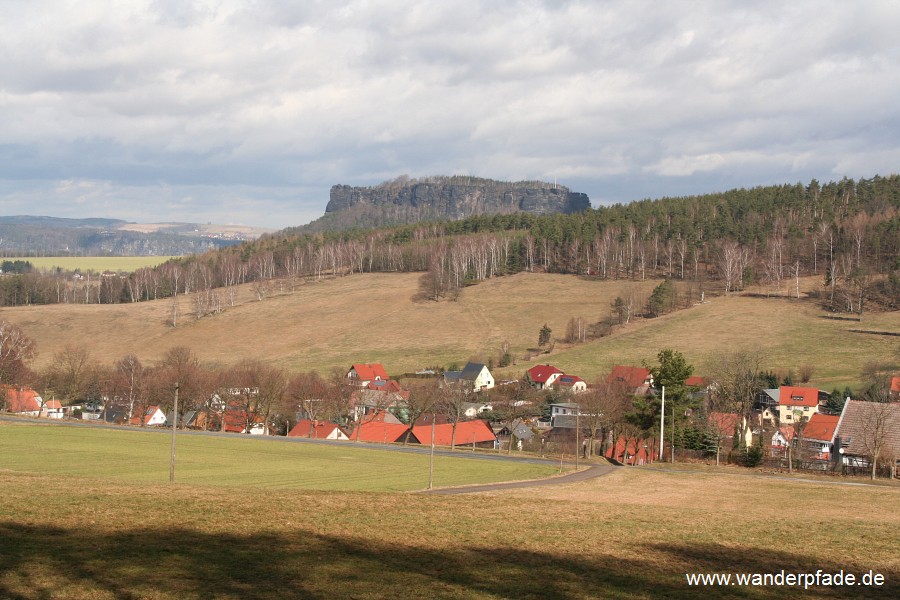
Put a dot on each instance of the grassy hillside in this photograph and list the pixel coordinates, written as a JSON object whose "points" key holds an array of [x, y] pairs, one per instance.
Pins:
{"points": [[377, 318], [118, 264], [632, 534]]}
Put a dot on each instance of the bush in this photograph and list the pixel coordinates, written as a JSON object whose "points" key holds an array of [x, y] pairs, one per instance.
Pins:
{"points": [[753, 457]]}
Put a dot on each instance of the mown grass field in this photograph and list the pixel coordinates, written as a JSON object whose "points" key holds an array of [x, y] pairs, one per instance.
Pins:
{"points": [[378, 318], [98, 264], [144, 456], [631, 534]]}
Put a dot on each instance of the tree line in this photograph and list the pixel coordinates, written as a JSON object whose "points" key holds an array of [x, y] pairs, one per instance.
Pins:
{"points": [[846, 232]]}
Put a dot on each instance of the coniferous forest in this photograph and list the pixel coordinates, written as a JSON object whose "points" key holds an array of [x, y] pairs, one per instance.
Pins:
{"points": [[846, 232]]}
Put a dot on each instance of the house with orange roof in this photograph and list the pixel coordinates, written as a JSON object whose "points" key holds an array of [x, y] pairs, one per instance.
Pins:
{"points": [[572, 384], [818, 435], [797, 403], [236, 421], [542, 376], [24, 401], [362, 374], [895, 389], [467, 433], [153, 416], [52, 409], [637, 380], [380, 432], [725, 425], [318, 430]]}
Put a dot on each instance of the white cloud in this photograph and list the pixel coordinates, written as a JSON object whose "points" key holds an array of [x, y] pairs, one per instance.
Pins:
{"points": [[251, 100]]}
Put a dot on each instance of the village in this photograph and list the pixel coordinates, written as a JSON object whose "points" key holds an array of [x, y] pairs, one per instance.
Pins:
{"points": [[546, 412]]}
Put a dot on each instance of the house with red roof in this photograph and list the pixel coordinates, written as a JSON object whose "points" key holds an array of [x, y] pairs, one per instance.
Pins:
{"points": [[153, 416], [380, 432], [725, 425], [572, 384], [633, 451], [362, 374], [542, 376], [24, 401], [467, 433], [818, 435], [52, 409], [895, 389], [797, 403], [318, 430], [236, 422], [636, 380]]}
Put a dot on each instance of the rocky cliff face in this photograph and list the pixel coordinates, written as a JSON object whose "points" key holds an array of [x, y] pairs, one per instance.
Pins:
{"points": [[459, 197]]}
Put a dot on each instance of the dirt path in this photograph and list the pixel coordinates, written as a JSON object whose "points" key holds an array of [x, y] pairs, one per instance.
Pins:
{"points": [[589, 473]]}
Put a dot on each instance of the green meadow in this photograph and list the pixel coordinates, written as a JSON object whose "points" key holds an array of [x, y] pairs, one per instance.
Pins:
{"points": [[241, 461]]}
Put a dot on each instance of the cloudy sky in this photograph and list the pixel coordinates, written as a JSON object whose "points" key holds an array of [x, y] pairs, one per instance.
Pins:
{"points": [[249, 111]]}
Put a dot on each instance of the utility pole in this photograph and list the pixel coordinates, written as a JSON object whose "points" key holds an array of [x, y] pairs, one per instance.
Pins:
{"points": [[577, 449], [431, 458], [672, 457], [662, 424], [174, 428]]}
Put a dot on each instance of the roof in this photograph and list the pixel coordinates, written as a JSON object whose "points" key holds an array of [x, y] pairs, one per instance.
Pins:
{"points": [[314, 429], [384, 385], [148, 415], [541, 373], [895, 385], [236, 421], [472, 371], [821, 427], [724, 423], [860, 421], [696, 381], [798, 396], [466, 433], [633, 377], [367, 372], [378, 431], [23, 400], [568, 380]]}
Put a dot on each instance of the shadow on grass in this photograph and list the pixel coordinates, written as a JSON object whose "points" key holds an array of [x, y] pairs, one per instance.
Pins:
{"points": [[47, 562]]}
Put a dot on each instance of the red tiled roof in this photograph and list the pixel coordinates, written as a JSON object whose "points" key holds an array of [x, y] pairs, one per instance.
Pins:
{"points": [[895, 385], [633, 377], [724, 423], [366, 372], [236, 421], [568, 380], [376, 431], [638, 450], [314, 429], [20, 401], [821, 427], [541, 373], [798, 396], [465, 431], [52, 404], [696, 381], [388, 385], [148, 414]]}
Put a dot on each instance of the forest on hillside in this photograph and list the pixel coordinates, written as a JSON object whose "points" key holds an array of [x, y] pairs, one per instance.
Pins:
{"points": [[847, 232]]}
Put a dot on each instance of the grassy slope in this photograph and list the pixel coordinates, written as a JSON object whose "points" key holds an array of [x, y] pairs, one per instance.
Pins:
{"points": [[94, 263], [144, 456], [632, 534], [375, 318]]}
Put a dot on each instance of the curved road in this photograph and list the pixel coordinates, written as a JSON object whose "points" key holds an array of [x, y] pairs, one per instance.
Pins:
{"points": [[589, 473]]}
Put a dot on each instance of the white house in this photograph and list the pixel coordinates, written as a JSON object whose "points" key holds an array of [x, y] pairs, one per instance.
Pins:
{"points": [[476, 376]]}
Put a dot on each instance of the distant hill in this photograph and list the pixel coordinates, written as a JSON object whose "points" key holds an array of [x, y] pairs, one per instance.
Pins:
{"points": [[28, 235], [441, 198]]}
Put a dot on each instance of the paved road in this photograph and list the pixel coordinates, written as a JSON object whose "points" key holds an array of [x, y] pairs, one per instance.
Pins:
{"points": [[589, 473]]}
